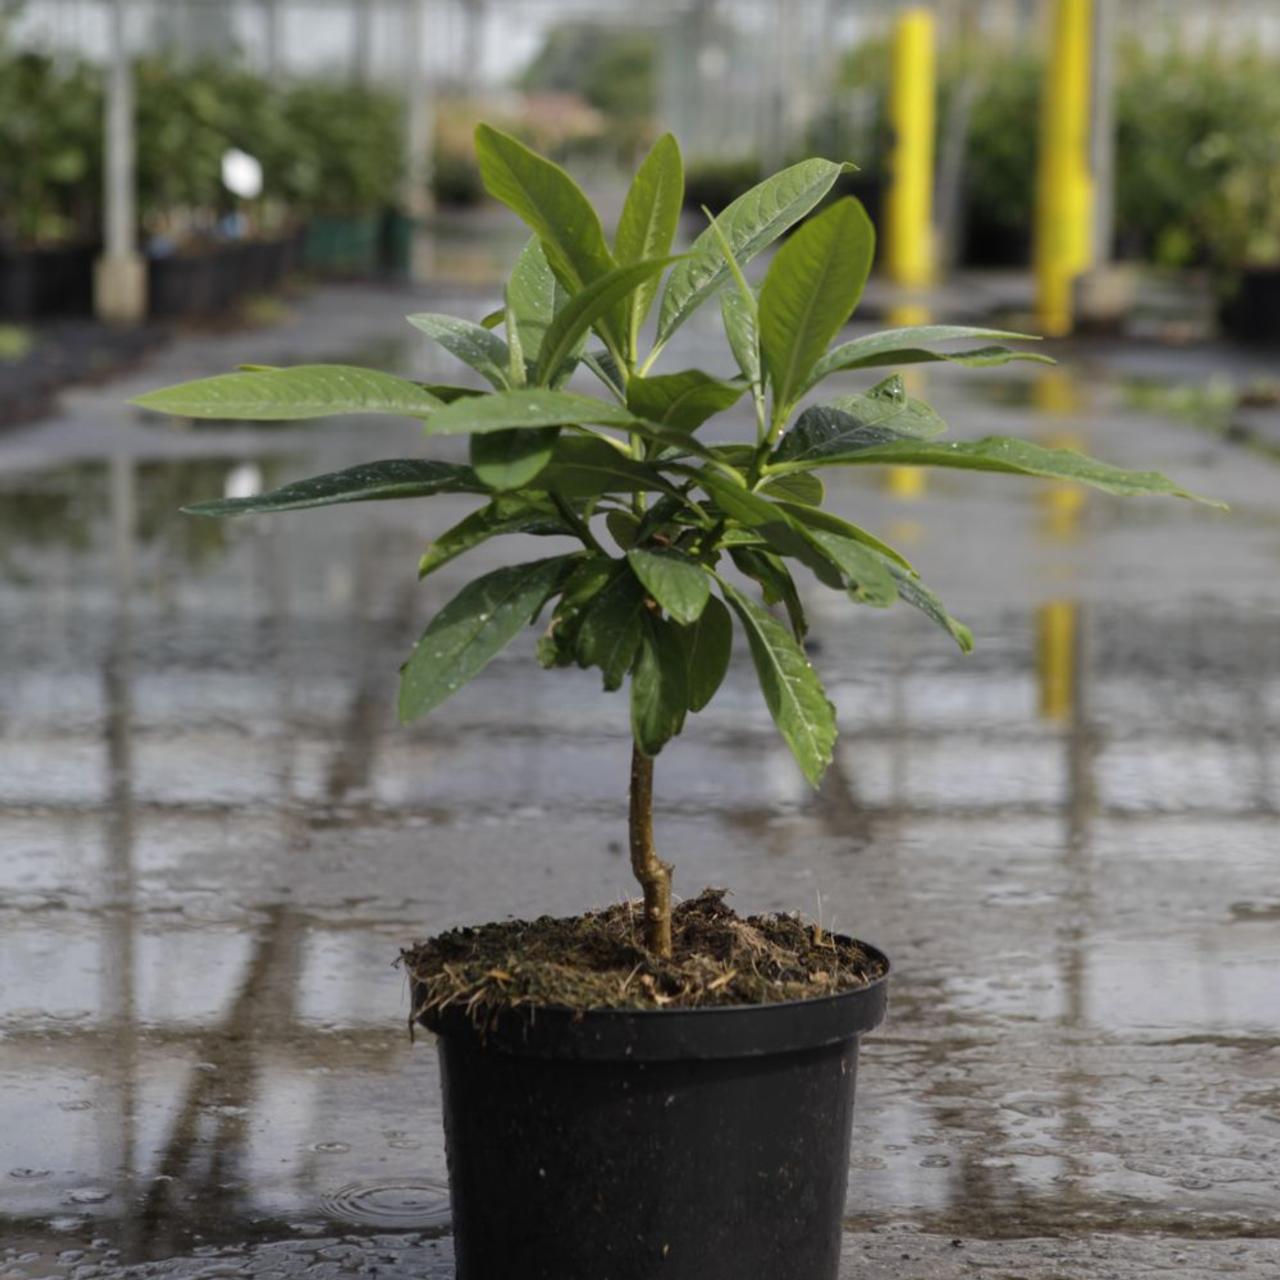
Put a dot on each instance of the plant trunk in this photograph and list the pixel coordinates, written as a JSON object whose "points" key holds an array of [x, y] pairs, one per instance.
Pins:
{"points": [[654, 874]]}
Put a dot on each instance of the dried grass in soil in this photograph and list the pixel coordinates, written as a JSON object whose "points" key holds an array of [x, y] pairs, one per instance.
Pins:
{"points": [[597, 961]]}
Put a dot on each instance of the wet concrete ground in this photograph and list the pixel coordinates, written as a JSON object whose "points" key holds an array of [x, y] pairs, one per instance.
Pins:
{"points": [[214, 838]]}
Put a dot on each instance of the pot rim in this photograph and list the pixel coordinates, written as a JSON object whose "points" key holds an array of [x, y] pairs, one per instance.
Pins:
{"points": [[705, 1031]]}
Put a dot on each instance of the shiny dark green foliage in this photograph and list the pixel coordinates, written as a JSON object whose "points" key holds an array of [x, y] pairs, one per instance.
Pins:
{"points": [[681, 536]]}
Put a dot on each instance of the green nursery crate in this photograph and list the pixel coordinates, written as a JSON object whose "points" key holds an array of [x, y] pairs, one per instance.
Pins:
{"points": [[343, 245]]}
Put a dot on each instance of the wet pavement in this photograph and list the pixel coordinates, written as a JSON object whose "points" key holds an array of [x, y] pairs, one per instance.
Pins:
{"points": [[214, 838]]}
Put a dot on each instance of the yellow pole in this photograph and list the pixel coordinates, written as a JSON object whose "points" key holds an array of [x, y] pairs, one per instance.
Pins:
{"points": [[1064, 205], [909, 211]]}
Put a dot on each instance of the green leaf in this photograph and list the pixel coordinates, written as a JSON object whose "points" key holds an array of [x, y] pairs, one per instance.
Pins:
{"points": [[588, 307], [838, 559], [792, 690], [659, 690], [776, 583], [649, 221], [505, 514], [887, 405], [305, 391], [582, 467], [623, 528], [1013, 457], [677, 582], [708, 646], [610, 630], [605, 367], [774, 525], [474, 345], [853, 423], [905, 346], [813, 283], [750, 223], [742, 328], [517, 371], [913, 592], [798, 486], [531, 295], [447, 394], [524, 408], [816, 518], [550, 204], [369, 482], [512, 459], [866, 578], [557, 647], [480, 621], [771, 522], [682, 400]]}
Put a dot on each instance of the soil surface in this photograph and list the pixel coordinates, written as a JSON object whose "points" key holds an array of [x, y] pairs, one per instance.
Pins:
{"points": [[597, 961]]}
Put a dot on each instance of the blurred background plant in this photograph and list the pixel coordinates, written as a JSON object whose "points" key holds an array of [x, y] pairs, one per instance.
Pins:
{"points": [[1197, 130]]}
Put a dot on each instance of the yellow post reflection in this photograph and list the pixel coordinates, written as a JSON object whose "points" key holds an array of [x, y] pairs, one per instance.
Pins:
{"points": [[1056, 629]]}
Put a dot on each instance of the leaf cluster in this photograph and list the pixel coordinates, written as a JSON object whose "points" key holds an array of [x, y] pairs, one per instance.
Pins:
{"points": [[669, 528]]}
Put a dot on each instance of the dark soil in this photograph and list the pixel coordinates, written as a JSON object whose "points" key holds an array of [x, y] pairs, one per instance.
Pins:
{"points": [[597, 961]]}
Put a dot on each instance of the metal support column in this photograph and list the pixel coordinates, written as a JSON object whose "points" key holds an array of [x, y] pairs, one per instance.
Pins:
{"points": [[419, 133], [120, 275]]}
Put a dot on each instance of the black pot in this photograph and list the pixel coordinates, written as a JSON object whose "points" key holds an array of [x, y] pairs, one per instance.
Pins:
{"points": [[36, 282], [1252, 312], [183, 284], [992, 244], [692, 1144]]}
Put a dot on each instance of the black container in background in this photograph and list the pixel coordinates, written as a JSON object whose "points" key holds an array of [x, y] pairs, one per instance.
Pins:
{"points": [[694, 1144], [1252, 312], [40, 282]]}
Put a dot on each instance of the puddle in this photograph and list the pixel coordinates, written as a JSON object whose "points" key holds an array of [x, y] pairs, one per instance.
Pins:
{"points": [[214, 838], [393, 1205]]}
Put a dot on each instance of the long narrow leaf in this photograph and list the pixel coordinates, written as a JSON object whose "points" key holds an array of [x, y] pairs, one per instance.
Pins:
{"points": [[588, 307], [550, 204], [648, 223], [813, 283], [792, 691], [907, 346], [528, 407], [473, 344], [531, 296], [1013, 457], [659, 686], [750, 223], [479, 622], [369, 482], [708, 647], [533, 515], [304, 391]]}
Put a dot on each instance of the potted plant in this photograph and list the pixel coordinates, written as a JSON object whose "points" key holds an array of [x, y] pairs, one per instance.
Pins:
{"points": [[652, 1089]]}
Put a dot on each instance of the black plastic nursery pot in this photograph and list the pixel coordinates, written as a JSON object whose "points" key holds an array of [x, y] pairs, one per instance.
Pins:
{"points": [[688, 1144], [1252, 312], [40, 282]]}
